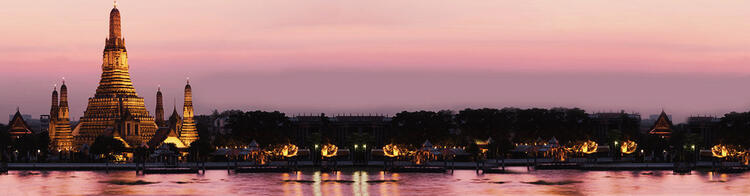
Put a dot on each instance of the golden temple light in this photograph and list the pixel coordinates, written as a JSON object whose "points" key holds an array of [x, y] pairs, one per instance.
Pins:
{"points": [[628, 147], [589, 147], [392, 150], [719, 151], [329, 150], [288, 150]]}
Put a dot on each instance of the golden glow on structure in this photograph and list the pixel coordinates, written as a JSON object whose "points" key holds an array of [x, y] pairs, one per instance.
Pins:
{"points": [[189, 131], [175, 141], [589, 147], [423, 156], [628, 147], [115, 108], [392, 150], [720, 151], [60, 132], [559, 153], [288, 150], [731, 151], [329, 150]]}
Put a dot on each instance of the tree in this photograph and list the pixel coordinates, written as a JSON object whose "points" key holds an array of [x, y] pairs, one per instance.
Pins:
{"points": [[105, 145], [200, 149], [415, 127], [267, 127], [734, 128], [5, 142]]}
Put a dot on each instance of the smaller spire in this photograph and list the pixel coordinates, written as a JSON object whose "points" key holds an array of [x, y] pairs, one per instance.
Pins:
{"points": [[63, 80], [188, 80], [115, 3]]}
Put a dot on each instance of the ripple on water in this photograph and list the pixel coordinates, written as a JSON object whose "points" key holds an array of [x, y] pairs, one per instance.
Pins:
{"points": [[127, 182], [564, 182]]}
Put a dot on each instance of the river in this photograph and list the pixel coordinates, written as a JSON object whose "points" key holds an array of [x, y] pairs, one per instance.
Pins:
{"points": [[374, 182]]}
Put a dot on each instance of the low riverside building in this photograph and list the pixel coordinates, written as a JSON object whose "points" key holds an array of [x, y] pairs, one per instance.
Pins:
{"points": [[604, 122], [705, 126], [341, 129]]}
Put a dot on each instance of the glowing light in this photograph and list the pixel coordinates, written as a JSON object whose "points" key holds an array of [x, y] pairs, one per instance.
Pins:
{"points": [[719, 151], [589, 147], [329, 150], [392, 150], [628, 147], [288, 150]]}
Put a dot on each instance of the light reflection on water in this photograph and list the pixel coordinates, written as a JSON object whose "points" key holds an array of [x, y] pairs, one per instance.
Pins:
{"points": [[373, 182]]}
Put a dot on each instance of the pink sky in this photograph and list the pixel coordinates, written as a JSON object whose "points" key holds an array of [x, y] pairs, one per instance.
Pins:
{"points": [[342, 56]]}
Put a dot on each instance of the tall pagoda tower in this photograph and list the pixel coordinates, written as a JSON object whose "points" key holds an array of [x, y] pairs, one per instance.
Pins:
{"points": [[60, 133], [159, 109], [189, 133], [115, 100]]}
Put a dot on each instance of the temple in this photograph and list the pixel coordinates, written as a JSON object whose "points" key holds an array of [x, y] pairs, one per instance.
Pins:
{"points": [[159, 111], [189, 132], [17, 126], [60, 133], [116, 109], [663, 126], [169, 134]]}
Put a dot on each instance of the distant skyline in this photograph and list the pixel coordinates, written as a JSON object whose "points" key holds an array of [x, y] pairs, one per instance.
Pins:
{"points": [[338, 56]]}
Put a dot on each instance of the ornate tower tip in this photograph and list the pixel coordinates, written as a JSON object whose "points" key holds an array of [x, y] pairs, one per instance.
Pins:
{"points": [[115, 3]]}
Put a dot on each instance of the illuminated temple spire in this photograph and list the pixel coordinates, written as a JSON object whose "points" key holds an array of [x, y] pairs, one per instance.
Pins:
{"points": [[159, 112], [55, 104], [53, 115], [189, 133], [64, 111], [60, 133], [102, 111]]}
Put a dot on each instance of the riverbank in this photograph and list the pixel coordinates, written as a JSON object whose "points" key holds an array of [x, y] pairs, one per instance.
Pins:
{"points": [[603, 165]]}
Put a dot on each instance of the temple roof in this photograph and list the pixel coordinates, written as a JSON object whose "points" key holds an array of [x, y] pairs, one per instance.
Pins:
{"points": [[662, 126], [17, 125]]}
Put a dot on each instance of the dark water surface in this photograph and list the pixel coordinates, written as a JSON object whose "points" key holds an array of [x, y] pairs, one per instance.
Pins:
{"points": [[373, 182]]}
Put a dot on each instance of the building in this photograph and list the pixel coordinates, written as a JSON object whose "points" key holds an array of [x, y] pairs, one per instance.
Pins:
{"points": [[36, 125], [59, 130], [115, 109], [604, 122], [159, 111], [189, 132], [341, 129], [44, 123], [170, 133], [705, 126], [17, 126], [662, 127], [180, 131], [25, 116]]}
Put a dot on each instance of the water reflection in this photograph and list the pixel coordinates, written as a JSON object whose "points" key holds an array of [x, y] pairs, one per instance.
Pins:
{"points": [[373, 182]]}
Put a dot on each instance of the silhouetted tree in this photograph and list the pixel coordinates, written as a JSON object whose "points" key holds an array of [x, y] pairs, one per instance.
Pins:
{"points": [[264, 127], [104, 145], [734, 128], [415, 127]]}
